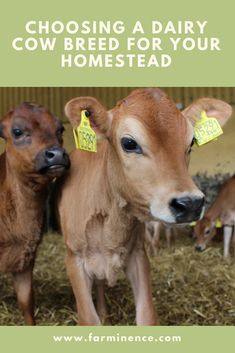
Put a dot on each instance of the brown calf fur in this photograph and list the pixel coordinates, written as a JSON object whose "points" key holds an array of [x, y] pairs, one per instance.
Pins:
{"points": [[222, 209], [139, 174], [33, 157]]}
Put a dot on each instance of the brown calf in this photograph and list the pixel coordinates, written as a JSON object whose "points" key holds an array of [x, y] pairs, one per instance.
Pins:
{"points": [[139, 174], [222, 210], [33, 157]]}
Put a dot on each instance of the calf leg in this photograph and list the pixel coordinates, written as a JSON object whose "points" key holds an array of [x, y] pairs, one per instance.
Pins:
{"points": [[152, 237], [138, 273], [168, 232], [233, 240], [100, 301], [156, 237], [24, 293], [82, 288], [227, 239]]}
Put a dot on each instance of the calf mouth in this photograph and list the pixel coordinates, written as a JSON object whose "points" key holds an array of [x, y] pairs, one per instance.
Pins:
{"points": [[52, 161], [57, 169]]}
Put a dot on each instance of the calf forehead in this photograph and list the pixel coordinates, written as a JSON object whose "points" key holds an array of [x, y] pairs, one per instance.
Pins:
{"points": [[157, 113], [35, 116]]}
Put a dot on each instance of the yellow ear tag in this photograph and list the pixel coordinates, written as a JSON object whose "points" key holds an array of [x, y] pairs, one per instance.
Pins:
{"points": [[192, 224], [218, 224], [84, 136], [206, 129]]}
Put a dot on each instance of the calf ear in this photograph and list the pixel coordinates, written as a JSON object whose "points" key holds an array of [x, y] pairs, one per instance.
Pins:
{"points": [[98, 117], [213, 107]]}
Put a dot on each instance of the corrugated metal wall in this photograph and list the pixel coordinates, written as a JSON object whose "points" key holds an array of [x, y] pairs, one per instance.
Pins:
{"points": [[55, 98]]}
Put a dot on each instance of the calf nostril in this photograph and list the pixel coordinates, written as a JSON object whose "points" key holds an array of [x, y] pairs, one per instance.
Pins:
{"points": [[49, 154], [186, 203], [186, 208], [179, 204]]}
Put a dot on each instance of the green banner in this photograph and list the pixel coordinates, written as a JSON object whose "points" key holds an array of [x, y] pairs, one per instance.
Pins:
{"points": [[127, 339], [117, 43]]}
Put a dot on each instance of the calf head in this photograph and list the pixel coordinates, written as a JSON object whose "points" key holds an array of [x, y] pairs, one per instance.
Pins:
{"points": [[204, 231], [34, 141], [150, 142]]}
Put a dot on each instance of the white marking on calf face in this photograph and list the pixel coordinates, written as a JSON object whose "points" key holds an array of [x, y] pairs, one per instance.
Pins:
{"points": [[130, 126], [146, 172]]}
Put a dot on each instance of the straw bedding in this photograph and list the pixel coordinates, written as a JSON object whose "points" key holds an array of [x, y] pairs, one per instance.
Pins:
{"points": [[189, 288]]}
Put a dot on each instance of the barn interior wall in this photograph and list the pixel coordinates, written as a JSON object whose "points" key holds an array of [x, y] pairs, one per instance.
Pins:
{"points": [[216, 157]]}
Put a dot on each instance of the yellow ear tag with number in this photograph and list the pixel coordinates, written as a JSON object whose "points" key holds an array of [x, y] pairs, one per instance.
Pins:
{"points": [[218, 224], [206, 129], [84, 136]]}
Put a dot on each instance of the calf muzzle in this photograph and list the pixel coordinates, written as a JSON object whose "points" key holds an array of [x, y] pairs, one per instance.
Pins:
{"points": [[53, 160], [200, 247], [186, 209]]}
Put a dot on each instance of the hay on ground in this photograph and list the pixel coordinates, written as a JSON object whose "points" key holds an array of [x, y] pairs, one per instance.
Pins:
{"points": [[189, 288]]}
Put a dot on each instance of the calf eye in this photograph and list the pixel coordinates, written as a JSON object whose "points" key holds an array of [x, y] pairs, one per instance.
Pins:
{"points": [[130, 146], [16, 132]]}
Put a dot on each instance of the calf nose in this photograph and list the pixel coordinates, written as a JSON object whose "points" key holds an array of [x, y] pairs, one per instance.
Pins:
{"points": [[56, 156], [187, 208], [200, 248]]}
